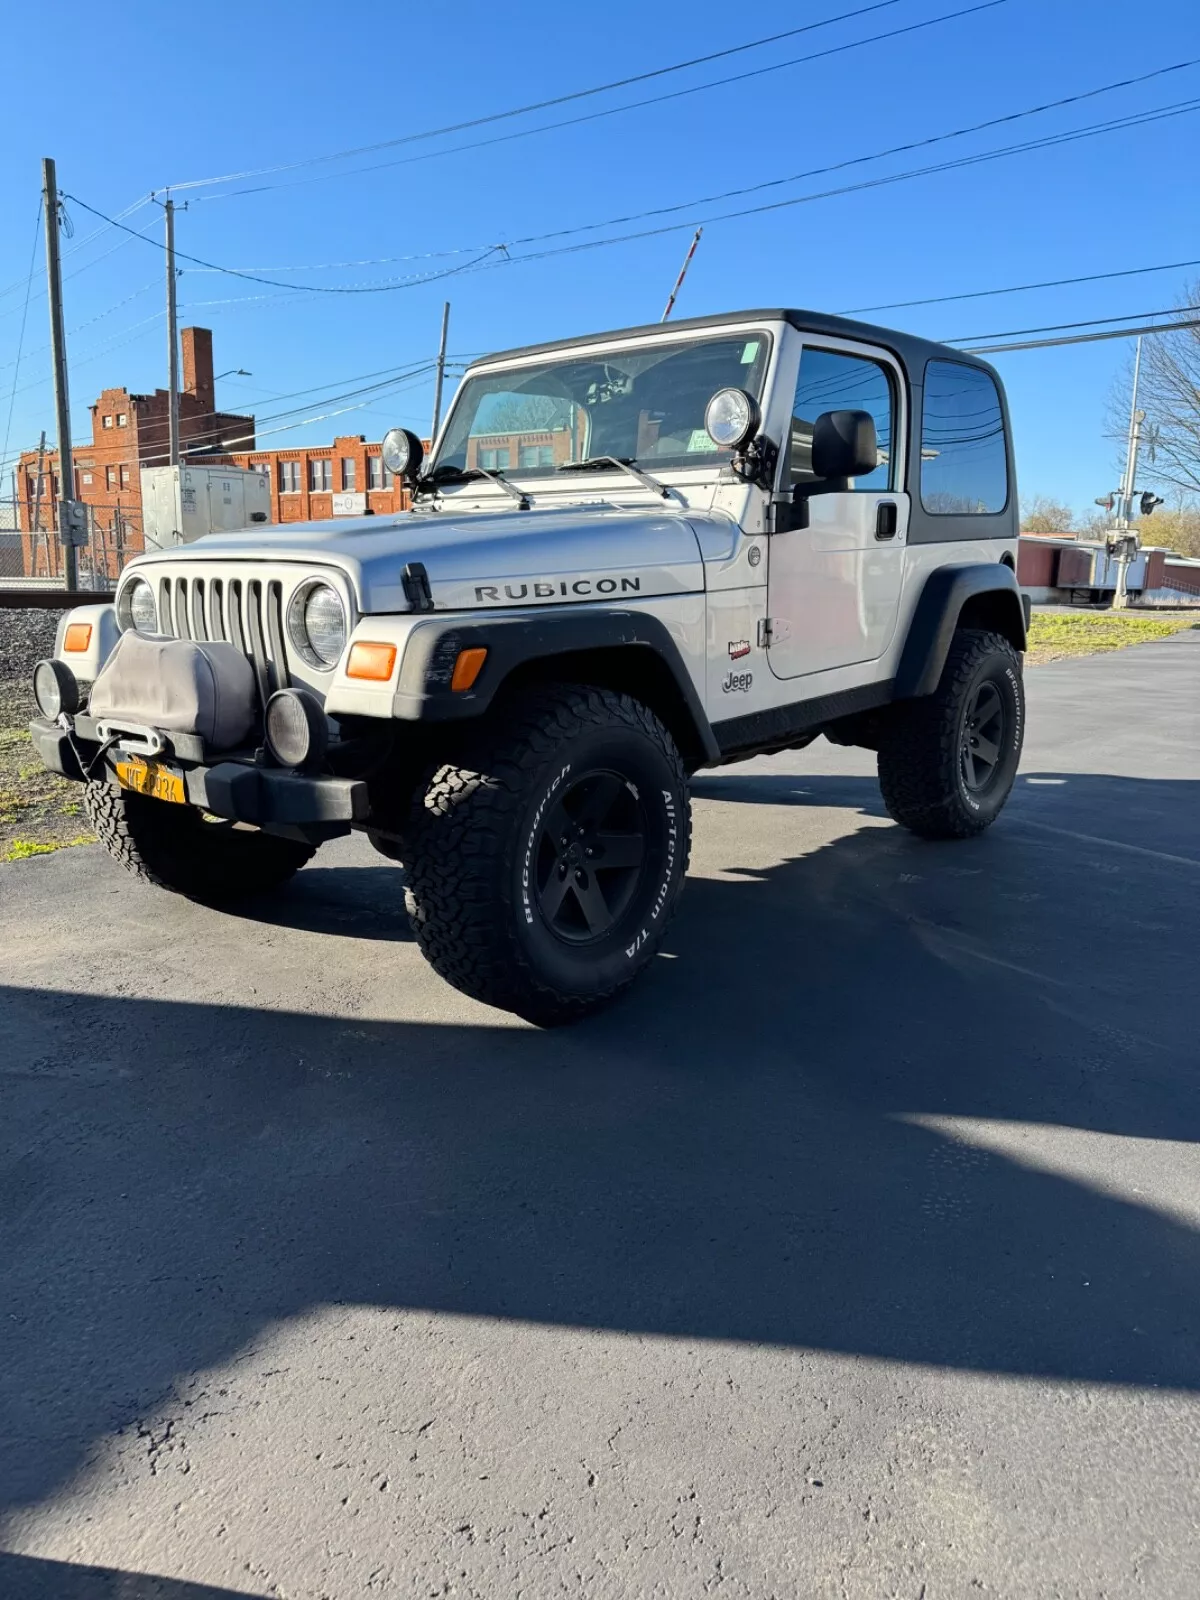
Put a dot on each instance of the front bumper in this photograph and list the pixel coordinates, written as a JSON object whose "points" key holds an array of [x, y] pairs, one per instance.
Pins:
{"points": [[239, 789]]}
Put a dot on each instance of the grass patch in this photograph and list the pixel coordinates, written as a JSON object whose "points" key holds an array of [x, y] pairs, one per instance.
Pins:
{"points": [[1056, 636], [39, 811], [22, 849]]}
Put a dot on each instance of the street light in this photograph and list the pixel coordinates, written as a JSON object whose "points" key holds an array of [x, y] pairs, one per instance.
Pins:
{"points": [[234, 372]]}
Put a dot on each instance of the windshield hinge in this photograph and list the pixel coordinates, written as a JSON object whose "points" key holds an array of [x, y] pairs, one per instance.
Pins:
{"points": [[416, 586]]}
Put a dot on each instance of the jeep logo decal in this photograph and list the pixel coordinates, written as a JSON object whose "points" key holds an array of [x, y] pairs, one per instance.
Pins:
{"points": [[545, 589]]}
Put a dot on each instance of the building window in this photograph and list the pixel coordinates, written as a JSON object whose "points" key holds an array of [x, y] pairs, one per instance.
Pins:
{"points": [[964, 462], [289, 477], [124, 477], [122, 419], [264, 467], [378, 476], [110, 477], [87, 477], [349, 474], [107, 421], [536, 455], [320, 476], [494, 460]]}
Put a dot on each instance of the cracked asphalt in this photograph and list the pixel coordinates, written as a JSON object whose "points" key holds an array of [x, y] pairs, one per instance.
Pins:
{"points": [[854, 1256]]}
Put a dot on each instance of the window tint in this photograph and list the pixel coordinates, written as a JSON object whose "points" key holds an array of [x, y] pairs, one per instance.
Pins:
{"points": [[831, 381], [964, 460]]}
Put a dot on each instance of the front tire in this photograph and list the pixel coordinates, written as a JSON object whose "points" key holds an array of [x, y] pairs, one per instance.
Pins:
{"points": [[178, 848], [947, 761], [545, 865]]}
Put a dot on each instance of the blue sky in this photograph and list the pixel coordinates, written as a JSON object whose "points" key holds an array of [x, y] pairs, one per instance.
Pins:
{"points": [[161, 95]]}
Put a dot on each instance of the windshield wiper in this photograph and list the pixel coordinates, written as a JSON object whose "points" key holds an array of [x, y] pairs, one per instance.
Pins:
{"points": [[451, 474], [623, 464]]}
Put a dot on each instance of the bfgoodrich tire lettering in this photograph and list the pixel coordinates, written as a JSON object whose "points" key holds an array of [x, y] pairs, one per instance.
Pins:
{"points": [[947, 761], [544, 865], [176, 847]]}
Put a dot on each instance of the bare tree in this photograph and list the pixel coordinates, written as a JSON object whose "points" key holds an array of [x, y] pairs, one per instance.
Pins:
{"points": [[1041, 514], [1169, 393]]}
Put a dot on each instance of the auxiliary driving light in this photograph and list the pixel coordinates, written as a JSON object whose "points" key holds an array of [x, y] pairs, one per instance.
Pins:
{"points": [[731, 418], [402, 453], [56, 689], [297, 733]]}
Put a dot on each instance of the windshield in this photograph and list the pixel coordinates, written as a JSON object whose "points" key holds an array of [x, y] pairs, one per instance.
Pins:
{"points": [[645, 404]]}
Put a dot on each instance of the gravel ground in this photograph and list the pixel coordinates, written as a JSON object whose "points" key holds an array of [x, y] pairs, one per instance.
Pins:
{"points": [[38, 812]]}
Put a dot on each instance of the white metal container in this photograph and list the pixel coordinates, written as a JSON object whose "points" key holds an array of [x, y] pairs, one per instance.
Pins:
{"points": [[182, 504]]}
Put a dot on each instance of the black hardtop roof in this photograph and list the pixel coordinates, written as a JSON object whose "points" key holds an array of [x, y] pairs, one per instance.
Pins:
{"points": [[912, 351]]}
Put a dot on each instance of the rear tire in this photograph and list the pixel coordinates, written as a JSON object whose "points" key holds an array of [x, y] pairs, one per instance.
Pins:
{"points": [[178, 848], [947, 761], [545, 865]]}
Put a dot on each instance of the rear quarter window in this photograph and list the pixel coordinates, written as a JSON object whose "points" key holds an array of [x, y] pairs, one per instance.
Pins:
{"points": [[964, 454]]}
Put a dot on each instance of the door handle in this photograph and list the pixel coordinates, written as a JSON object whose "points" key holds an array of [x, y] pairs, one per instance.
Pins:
{"points": [[887, 520]]}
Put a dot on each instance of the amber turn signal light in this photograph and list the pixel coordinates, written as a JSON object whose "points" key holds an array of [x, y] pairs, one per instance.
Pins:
{"points": [[371, 661], [78, 636], [467, 668]]}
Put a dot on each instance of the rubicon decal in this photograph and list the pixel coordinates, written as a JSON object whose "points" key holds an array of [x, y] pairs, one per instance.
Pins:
{"points": [[738, 648], [554, 589]]}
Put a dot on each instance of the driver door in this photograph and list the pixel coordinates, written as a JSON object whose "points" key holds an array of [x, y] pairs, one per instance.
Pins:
{"points": [[834, 586]]}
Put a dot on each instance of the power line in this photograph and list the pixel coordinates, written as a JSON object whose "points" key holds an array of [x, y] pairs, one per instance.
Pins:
{"points": [[540, 105], [877, 155], [296, 288], [615, 111], [1049, 141], [1058, 327], [1018, 288], [1086, 338]]}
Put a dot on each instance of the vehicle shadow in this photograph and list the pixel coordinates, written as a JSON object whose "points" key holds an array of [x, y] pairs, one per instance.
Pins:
{"points": [[354, 902], [36, 1578], [777, 1139]]}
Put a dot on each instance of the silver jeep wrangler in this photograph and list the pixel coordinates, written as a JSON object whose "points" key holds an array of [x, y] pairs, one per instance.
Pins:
{"points": [[630, 555]]}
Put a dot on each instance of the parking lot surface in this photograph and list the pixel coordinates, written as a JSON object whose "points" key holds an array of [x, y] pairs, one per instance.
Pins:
{"points": [[854, 1255]]}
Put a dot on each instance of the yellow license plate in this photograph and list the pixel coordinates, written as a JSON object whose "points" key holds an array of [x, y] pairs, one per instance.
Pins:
{"points": [[150, 777]]}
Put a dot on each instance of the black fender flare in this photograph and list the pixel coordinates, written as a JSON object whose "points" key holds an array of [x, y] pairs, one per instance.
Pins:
{"points": [[992, 585], [423, 693]]}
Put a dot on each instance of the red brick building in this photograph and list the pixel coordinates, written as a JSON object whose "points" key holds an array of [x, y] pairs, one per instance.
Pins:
{"points": [[129, 432], [346, 478]]}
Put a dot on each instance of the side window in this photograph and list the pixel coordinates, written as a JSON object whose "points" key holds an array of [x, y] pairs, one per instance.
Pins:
{"points": [[831, 381], [964, 458]]}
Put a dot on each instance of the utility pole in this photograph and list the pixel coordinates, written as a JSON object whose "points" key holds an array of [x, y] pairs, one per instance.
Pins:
{"points": [[1126, 541], [172, 341], [67, 518], [687, 261], [441, 373]]}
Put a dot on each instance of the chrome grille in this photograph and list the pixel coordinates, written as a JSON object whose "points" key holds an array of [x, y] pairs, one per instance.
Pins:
{"points": [[248, 614]]}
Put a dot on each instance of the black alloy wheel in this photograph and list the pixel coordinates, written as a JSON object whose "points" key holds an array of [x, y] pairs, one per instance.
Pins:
{"points": [[590, 857], [982, 743]]}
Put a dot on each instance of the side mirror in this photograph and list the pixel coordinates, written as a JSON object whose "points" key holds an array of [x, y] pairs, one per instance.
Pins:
{"points": [[844, 444], [403, 453]]}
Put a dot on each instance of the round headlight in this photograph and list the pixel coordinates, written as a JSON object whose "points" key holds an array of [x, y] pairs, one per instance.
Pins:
{"points": [[136, 608], [402, 452], [317, 624], [731, 418], [55, 688], [295, 728]]}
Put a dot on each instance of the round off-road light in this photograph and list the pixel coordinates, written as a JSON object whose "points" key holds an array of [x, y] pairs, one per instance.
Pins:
{"points": [[402, 453], [136, 608], [296, 731], [731, 418], [55, 688]]}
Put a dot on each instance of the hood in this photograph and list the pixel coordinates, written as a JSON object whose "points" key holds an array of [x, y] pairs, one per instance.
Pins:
{"points": [[483, 559]]}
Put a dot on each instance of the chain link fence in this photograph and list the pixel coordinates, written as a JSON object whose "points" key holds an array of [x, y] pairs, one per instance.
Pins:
{"points": [[30, 547]]}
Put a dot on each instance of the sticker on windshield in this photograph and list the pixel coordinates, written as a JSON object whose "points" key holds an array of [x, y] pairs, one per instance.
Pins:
{"points": [[699, 441], [749, 352]]}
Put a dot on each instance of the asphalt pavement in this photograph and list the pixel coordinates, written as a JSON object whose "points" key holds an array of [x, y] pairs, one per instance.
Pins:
{"points": [[854, 1255]]}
